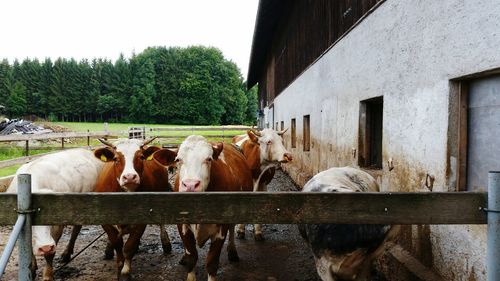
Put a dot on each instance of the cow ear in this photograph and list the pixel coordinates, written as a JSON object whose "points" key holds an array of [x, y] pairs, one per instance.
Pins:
{"points": [[148, 152], [217, 148], [104, 154], [252, 136], [165, 156]]}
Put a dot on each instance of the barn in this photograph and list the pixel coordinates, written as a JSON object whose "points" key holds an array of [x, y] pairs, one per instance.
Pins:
{"points": [[409, 91]]}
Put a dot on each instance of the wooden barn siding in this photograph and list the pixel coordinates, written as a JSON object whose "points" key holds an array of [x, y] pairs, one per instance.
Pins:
{"points": [[306, 31]]}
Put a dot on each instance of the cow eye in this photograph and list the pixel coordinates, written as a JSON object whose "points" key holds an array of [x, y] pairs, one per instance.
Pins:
{"points": [[269, 142], [178, 160], [209, 159]]}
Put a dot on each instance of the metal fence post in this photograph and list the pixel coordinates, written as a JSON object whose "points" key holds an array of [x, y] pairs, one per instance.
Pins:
{"points": [[493, 248], [24, 207]]}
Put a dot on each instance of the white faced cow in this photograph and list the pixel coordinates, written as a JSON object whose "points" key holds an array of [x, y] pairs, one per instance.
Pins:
{"points": [[345, 251], [74, 170], [205, 167], [130, 167], [262, 150]]}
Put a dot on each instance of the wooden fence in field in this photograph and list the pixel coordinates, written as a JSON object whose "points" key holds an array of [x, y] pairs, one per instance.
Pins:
{"points": [[44, 137], [169, 136]]}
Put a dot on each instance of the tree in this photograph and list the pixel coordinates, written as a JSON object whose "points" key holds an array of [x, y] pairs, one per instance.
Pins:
{"points": [[5, 74], [194, 85], [143, 92], [16, 102], [252, 106]]}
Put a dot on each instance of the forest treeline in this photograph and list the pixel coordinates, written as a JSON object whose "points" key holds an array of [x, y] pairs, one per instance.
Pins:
{"points": [[194, 85]]}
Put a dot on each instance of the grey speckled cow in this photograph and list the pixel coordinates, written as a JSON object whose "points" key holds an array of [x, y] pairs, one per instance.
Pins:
{"points": [[345, 251]]}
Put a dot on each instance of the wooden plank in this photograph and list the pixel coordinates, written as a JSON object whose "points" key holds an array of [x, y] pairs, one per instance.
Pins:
{"points": [[412, 264], [248, 207]]}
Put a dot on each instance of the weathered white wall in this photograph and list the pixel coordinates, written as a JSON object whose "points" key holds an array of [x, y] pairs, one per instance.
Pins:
{"points": [[406, 51]]}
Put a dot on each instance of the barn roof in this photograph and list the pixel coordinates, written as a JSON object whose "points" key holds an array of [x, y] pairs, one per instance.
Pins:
{"points": [[268, 16]]}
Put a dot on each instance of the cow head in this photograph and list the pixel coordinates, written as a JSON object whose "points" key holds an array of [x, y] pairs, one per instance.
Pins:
{"points": [[194, 162], [43, 243], [271, 145], [127, 156]]}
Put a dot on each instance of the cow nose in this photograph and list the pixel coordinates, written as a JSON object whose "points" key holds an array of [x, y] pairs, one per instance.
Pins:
{"points": [[130, 177], [190, 185], [287, 157], [46, 249]]}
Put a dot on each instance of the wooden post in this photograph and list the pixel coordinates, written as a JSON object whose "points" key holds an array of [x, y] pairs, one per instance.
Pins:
{"points": [[27, 150], [88, 138], [62, 143]]}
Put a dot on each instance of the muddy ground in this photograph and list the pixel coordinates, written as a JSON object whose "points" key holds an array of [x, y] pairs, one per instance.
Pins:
{"points": [[282, 256]]}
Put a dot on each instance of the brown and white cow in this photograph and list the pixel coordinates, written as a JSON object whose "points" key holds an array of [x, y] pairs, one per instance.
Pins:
{"points": [[205, 167], [262, 149], [130, 167], [73, 170], [345, 251]]}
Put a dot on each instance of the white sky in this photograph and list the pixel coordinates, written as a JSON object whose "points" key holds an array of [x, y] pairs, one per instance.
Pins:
{"points": [[106, 28]]}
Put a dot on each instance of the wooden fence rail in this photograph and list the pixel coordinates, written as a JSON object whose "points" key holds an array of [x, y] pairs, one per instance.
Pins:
{"points": [[248, 207], [50, 136], [31, 137]]}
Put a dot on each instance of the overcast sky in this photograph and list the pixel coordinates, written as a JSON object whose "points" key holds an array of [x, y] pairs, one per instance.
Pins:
{"points": [[105, 28]]}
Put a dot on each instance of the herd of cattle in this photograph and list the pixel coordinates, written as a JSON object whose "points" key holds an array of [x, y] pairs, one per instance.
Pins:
{"points": [[341, 252]]}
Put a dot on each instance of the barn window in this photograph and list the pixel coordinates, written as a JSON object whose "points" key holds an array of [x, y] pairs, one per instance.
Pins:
{"points": [[370, 133], [294, 134], [307, 133]]}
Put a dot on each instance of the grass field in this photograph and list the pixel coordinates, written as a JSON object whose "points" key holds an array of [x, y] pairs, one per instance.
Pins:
{"points": [[11, 150]]}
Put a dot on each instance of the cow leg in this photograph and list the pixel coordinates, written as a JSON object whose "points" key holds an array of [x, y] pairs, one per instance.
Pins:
{"points": [[66, 255], [214, 254], [241, 231], [190, 257], [232, 254], [130, 248], [165, 240], [117, 243], [48, 271], [33, 267], [109, 252], [257, 232], [365, 272]]}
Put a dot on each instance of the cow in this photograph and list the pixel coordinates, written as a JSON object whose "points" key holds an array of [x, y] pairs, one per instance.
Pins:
{"points": [[129, 167], [203, 167], [73, 170], [345, 251], [262, 149]]}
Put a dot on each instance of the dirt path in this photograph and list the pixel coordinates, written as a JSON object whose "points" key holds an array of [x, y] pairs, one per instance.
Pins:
{"points": [[282, 256]]}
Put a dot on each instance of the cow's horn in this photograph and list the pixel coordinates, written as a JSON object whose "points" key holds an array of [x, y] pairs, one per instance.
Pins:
{"points": [[148, 141], [255, 132], [282, 132], [107, 143]]}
